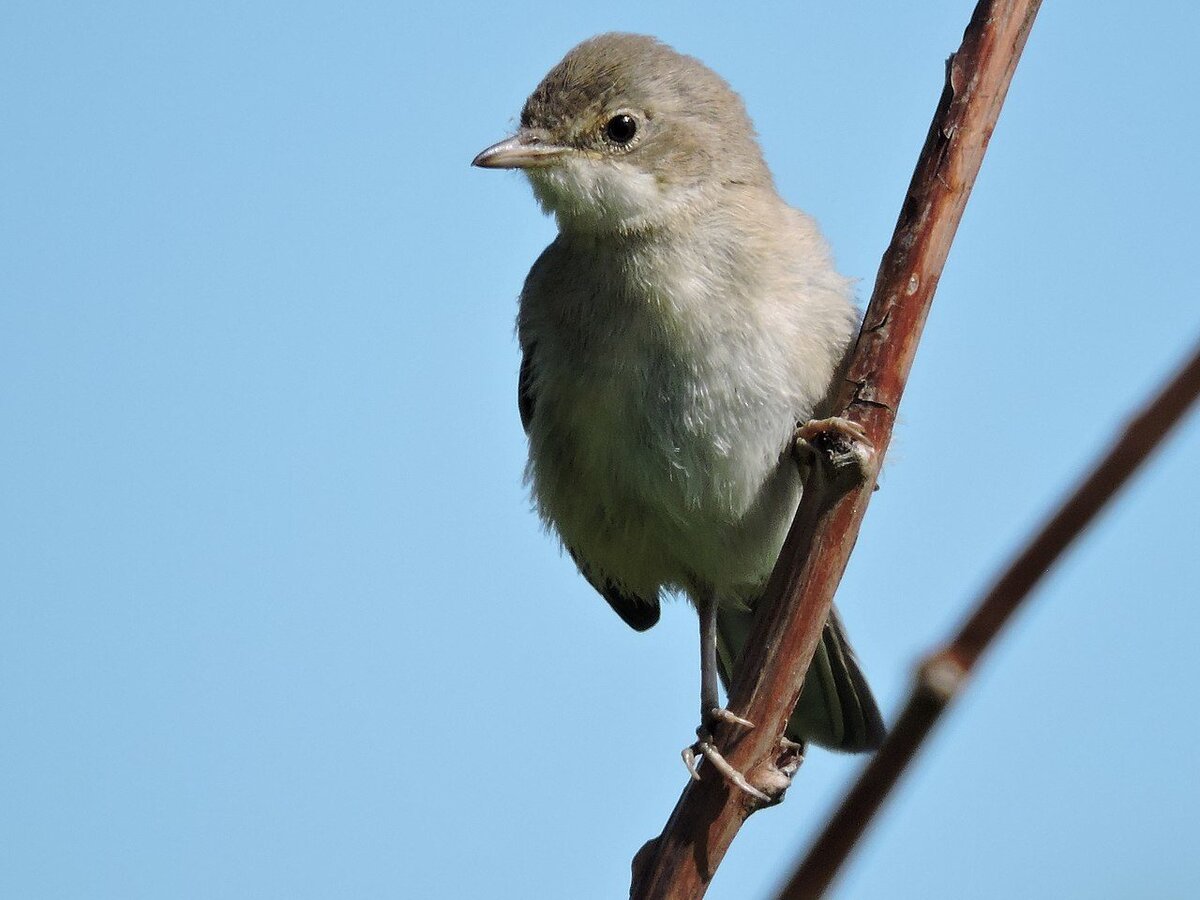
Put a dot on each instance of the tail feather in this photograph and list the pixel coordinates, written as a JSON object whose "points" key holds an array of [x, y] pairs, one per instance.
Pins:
{"points": [[836, 708]]}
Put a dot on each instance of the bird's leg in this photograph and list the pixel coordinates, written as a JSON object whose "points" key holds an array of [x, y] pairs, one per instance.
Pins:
{"points": [[711, 710]]}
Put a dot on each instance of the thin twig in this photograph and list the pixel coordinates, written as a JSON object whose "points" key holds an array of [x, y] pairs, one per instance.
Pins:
{"points": [[680, 863], [942, 674]]}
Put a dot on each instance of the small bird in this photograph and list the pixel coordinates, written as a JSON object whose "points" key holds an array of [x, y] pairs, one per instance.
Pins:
{"points": [[681, 325]]}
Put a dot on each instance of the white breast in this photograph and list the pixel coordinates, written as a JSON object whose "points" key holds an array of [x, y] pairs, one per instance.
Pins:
{"points": [[668, 383]]}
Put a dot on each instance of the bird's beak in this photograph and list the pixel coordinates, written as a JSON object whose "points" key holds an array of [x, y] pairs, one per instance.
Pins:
{"points": [[527, 149]]}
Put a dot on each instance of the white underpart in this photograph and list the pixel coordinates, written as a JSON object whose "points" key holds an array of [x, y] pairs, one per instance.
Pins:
{"points": [[598, 194], [671, 369]]}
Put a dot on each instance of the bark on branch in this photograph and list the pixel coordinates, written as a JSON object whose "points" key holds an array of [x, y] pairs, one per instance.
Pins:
{"points": [[681, 862], [942, 675]]}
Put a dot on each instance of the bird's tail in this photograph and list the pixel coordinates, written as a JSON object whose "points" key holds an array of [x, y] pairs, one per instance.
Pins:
{"points": [[836, 709]]}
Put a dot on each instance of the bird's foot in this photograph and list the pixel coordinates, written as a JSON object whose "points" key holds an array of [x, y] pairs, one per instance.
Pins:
{"points": [[834, 434], [844, 427], [721, 714], [691, 759], [842, 444], [704, 747]]}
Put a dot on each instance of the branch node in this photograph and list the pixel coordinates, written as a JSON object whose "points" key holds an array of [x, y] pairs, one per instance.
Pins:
{"points": [[941, 675]]}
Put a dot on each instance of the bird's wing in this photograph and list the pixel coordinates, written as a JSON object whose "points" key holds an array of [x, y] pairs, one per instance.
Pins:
{"points": [[637, 612], [525, 395]]}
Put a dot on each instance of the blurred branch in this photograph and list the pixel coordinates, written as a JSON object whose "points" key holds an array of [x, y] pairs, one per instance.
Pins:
{"points": [[681, 862], [942, 675]]}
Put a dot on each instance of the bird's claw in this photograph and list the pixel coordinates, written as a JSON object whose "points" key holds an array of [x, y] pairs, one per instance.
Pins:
{"points": [[691, 759], [721, 714], [704, 748], [841, 443], [834, 426]]}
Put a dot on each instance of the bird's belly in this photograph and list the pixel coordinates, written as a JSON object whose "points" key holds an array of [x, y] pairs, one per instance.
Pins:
{"points": [[669, 488]]}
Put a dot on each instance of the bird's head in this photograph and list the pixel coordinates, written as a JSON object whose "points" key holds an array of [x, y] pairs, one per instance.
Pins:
{"points": [[625, 134]]}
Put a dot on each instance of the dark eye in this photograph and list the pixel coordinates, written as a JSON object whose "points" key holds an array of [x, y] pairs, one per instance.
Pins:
{"points": [[620, 129]]}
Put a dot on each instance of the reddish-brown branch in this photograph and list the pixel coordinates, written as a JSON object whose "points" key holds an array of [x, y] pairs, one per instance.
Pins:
{"points": [[680, 863], [942, 675]]}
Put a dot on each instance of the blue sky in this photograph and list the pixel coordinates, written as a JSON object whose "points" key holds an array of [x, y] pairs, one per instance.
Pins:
{"points": [[275, 617]]}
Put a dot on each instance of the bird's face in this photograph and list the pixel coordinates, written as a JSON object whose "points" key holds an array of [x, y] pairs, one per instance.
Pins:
{"points": [[595, 171], [626, 134]]}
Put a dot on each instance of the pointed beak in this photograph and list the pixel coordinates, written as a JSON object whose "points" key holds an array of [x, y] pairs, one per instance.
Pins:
{"points": [[526, 149]]}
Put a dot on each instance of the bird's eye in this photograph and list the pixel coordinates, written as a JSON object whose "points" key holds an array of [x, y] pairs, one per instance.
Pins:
{"points": [[620, 129]]}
